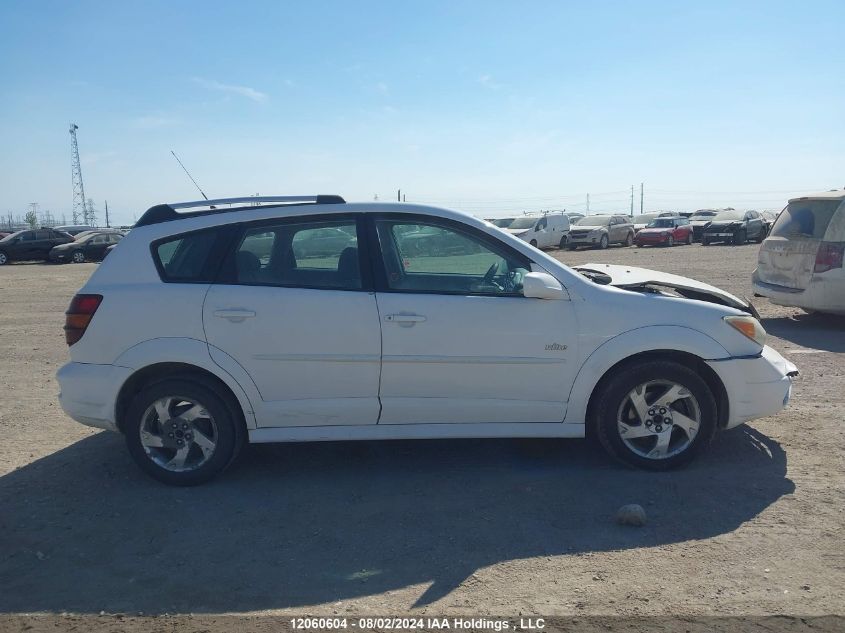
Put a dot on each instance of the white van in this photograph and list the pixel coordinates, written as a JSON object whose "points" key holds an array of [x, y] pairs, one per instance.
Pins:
{"points": [[800, 263], [542, 231]]}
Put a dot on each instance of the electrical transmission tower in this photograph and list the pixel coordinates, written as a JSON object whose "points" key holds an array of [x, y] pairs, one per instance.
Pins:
{"points": [[79, 206]]}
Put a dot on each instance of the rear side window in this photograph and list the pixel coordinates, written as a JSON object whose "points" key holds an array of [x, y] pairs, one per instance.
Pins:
{"points": [[806, 218], [316, 254], [187, 258]]}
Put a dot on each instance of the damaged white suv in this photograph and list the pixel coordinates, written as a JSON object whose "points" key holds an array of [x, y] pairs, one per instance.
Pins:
{"points": [[306, 318]]}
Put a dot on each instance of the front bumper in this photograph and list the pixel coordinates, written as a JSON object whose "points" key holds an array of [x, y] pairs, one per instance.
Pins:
{"points": [[586, 240], [89, 392], [59, 257], [641, 238], [757, 386]]}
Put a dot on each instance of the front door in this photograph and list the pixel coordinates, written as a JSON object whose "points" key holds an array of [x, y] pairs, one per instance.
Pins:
{"points": [[293, 309], [459, 341]]}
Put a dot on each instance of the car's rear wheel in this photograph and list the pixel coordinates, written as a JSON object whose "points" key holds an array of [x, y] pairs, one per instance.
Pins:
{"points": [[562, 244], [655, 415], [181, 432], [603, 242], [533, 243], [4, 259], [629, 240], [741, 237], [78, 257]]}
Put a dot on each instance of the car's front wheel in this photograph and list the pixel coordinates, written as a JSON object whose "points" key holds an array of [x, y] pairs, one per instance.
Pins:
{"points": [[603, 242], [741, 237], [4, 259], [181, 432], [655, 415], [78, 257], [629, 240], [671, 241]]}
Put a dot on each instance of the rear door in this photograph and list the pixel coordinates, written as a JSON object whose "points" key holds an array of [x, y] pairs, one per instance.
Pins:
{"points": [[787, 257], [460, 342], [294, 307]]}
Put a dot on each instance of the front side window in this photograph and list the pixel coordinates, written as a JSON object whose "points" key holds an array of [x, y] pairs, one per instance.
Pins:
{"points": [[318, 254], [433, 258]]}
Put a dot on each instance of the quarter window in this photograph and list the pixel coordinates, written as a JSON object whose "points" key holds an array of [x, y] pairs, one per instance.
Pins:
{"points": [[320, 254], [187, 258], [440, 259]]}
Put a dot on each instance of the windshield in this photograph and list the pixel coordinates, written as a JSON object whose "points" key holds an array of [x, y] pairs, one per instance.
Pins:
{"points": [[728, 216], [661, 223], [702, 216], [645, 218], [9, 238], [806, 218], [523, 223], [594, 220], [502, 223]]}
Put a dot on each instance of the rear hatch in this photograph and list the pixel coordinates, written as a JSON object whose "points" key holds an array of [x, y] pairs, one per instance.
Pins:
{"points": [[788, 256]]}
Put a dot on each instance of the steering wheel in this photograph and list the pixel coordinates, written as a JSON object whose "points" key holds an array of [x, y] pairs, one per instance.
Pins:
{"points": [[489, 276]]}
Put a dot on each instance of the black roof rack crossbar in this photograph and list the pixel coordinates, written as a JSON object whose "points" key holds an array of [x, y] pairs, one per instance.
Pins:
{"points": [[167, 212]]}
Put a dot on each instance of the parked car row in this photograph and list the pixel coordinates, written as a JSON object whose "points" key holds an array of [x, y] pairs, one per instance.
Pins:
{"points": [[51, 244]]}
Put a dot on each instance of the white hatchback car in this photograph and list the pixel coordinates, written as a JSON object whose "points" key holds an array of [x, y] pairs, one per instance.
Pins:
{"points": [[205, 329]]}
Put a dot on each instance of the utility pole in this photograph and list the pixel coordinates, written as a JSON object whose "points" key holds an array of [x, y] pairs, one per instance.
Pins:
{"points": [[632, 201], [76, 177], [588, 204], [107, 215], [641, 198]]}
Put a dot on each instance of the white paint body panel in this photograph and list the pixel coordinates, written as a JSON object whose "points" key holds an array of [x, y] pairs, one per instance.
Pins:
{"points": [[319, 365]]}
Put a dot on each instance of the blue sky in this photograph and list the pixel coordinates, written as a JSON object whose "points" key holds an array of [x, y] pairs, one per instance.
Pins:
{"points": [[489, 106]]}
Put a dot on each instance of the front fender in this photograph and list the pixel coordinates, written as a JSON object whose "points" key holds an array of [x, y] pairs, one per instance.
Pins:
{"points": [[646, 339], [193, 352]]}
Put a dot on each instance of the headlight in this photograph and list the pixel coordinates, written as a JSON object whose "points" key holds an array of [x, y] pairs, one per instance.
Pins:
{"points": [[749, 326]]}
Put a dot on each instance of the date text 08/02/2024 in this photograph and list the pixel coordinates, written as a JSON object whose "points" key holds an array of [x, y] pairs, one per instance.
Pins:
{"points": [[410, 624]]}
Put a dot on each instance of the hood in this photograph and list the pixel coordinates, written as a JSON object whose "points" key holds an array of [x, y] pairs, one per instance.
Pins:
{"points": [[586, 227], [645, 280], [724, 223], [64, 246], [517, 232], [699, 222], [664, 229]]}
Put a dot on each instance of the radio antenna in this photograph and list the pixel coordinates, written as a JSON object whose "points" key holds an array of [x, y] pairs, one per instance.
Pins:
{"points": [[189, 174]]}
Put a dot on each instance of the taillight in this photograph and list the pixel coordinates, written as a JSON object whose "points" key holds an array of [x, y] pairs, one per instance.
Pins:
{"points": [[79, 315], [829, 256]]}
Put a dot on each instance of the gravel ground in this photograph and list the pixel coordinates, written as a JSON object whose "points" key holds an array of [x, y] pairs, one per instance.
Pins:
{"points": [[494, 527]]}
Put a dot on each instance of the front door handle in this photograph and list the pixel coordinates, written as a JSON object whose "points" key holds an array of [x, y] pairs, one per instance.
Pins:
{"points": [[404, 318], [235, 315]]}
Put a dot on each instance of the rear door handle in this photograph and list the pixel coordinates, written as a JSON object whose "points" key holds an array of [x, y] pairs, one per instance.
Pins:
{"points": [[235, 315], [404, 318]]}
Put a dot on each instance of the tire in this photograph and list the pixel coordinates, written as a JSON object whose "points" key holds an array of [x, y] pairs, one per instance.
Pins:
{"points": [[629, 241], [741, 237], [219, 426], [763, 233], [613, 406], [562, 244], [689, 238], [533, 243], [4, 259], [77, 257], [603, 242], [704, 241], [671, 241]]}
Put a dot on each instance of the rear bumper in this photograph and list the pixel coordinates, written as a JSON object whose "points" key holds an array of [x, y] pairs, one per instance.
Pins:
{"points": [[756, 387], [89, 392], [821, 294]]}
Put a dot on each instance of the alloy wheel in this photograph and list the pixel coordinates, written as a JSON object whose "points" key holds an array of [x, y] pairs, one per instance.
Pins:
{"points": [[178, 434], [658, 419], [78, 257]]}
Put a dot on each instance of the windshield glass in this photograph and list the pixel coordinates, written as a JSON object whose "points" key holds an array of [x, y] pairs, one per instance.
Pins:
{"points": [[502, 223], [645, 218], [9, 238], [594, 220], [806, 218], [523, 223], [728, 216], [702, 216], [661, 223]]}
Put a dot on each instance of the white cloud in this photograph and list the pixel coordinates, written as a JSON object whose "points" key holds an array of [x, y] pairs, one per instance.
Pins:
{"points": [[488, 82], [243, 91]]}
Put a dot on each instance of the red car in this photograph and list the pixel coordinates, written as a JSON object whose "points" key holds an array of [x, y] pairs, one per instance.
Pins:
{"points": [[665, 232]]}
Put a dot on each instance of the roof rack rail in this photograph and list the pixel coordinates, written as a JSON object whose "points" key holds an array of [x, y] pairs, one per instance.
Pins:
{"points": [[167, 212]]}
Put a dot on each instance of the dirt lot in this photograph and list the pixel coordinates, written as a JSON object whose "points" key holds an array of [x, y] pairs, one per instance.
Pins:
{"points": [[471, 527]]}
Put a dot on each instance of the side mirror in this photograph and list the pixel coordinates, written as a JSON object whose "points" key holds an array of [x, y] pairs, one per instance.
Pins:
{"points": [[541, 286]]}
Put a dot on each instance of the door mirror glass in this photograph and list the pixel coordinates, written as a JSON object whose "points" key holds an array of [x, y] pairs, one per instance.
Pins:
{"points": [[541, 286]]}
